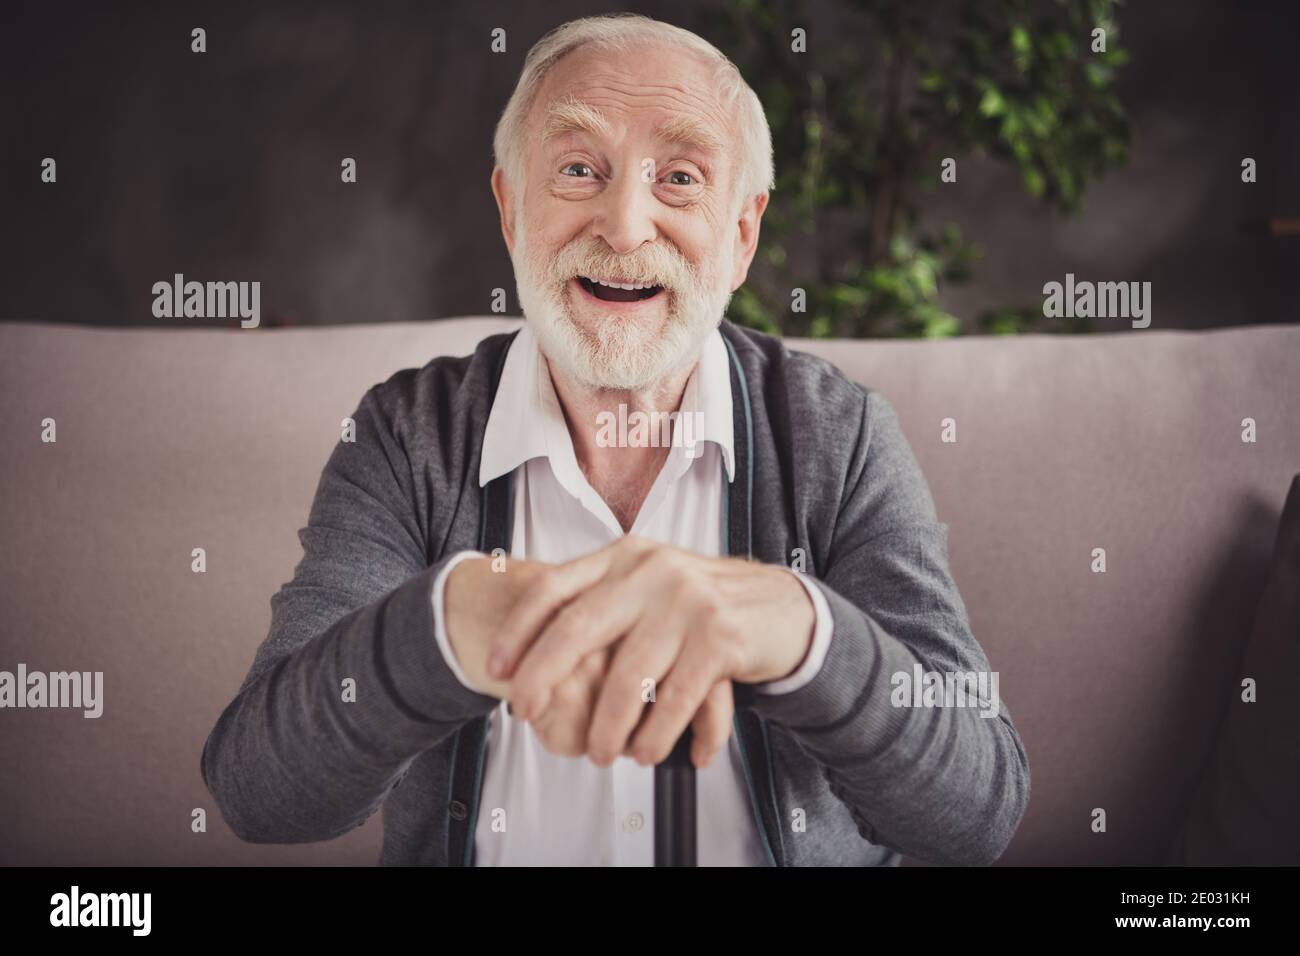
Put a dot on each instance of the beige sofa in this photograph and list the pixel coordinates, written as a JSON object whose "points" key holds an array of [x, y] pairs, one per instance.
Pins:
{"points": [[171, 440]]}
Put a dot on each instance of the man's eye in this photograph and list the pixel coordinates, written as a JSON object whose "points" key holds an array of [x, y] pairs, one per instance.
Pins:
{"points": [[576, 166], [679, 172]]}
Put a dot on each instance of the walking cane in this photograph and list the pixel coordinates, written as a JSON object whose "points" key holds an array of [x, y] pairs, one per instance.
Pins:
{"points": [[675, 829], [675, 832]]}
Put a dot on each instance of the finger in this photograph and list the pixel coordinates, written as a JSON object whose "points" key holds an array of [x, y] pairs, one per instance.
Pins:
{"points": [[550, 590], [562, 727], [711, 727], [681, 694], [593, 620], [645, 655], [574, 695], [547, 728]]}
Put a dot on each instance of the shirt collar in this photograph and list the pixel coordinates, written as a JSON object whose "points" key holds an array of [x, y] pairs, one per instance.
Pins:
{"points": [[526, 420]]}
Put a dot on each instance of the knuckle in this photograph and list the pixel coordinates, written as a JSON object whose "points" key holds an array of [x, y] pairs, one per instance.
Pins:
{"points": [[626, 664], [631, 546], [625, 680], [690, 588], [522, 701], [545, 588], [567, 695], [708, 606], [675, 699], [568, 624], [660, 560], [579, 618], [593, 665], [728, 642]]}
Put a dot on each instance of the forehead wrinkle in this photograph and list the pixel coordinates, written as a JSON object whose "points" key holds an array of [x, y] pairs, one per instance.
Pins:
{"points": [[610, 83], [692, 126], [678, 98], [568, 114]]}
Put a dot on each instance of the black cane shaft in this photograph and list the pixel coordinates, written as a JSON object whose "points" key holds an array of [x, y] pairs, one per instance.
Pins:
{"points": [[675, 833]]}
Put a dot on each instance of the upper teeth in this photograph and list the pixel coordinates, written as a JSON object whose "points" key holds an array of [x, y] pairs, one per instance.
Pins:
{"points": [[622, 285]]}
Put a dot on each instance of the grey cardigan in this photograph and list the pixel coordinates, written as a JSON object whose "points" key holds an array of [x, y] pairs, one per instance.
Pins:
{"points": [[836, 774]]}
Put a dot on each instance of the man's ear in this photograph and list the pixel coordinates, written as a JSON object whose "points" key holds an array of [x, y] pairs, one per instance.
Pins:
{"points": [[505, 206], [751, 214]]}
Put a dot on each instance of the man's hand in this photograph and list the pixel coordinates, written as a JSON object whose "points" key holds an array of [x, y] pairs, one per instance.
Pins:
{"points": [[676, 623], [476, 601]]}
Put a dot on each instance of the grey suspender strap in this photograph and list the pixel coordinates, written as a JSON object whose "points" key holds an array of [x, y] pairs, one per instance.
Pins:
{"points": [[471, 739]]}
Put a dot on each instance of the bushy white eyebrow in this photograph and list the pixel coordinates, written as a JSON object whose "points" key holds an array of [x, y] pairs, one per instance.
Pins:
{"points": [[688, 131], [568, 115]]}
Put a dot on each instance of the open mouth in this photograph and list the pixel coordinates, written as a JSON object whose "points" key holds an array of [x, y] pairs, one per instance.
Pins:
{"points": [[610, 291]]}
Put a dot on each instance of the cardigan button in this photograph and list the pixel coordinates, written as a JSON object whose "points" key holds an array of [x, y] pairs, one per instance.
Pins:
{"points": [[458, 810]]}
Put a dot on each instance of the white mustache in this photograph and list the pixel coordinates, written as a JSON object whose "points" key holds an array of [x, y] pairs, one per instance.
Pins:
{"points": [[654, 265]]}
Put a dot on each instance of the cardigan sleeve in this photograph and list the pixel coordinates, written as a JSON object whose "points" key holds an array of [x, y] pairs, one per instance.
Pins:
{"points": [[349, 685], [943, 784]]}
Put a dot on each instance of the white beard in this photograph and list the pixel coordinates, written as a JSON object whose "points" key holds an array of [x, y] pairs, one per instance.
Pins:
{"points": [[621, 354]]}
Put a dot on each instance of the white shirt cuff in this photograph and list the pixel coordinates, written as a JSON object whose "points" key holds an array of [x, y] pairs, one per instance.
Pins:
{"points": [[821, 642], [439, 620]]}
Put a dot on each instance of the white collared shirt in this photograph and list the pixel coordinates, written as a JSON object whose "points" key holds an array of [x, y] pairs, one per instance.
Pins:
{"points": [[537, 808]]}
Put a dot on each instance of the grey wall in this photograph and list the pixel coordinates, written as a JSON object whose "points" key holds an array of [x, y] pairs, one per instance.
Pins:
{"points": [[226, 165], [1209, 82]]}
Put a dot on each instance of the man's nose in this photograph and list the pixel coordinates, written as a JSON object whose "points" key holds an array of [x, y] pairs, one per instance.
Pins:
{"points": [[625, 217]]}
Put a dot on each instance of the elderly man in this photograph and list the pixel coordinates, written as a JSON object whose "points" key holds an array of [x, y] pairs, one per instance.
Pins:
{"points": [[508, 611]]}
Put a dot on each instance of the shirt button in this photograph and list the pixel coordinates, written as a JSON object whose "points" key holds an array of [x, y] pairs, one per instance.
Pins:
{"points": [[633, 822], [458, 810]]}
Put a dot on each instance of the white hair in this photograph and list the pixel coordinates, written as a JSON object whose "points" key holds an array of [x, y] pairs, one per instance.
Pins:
{"points": [[623, 32]]}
